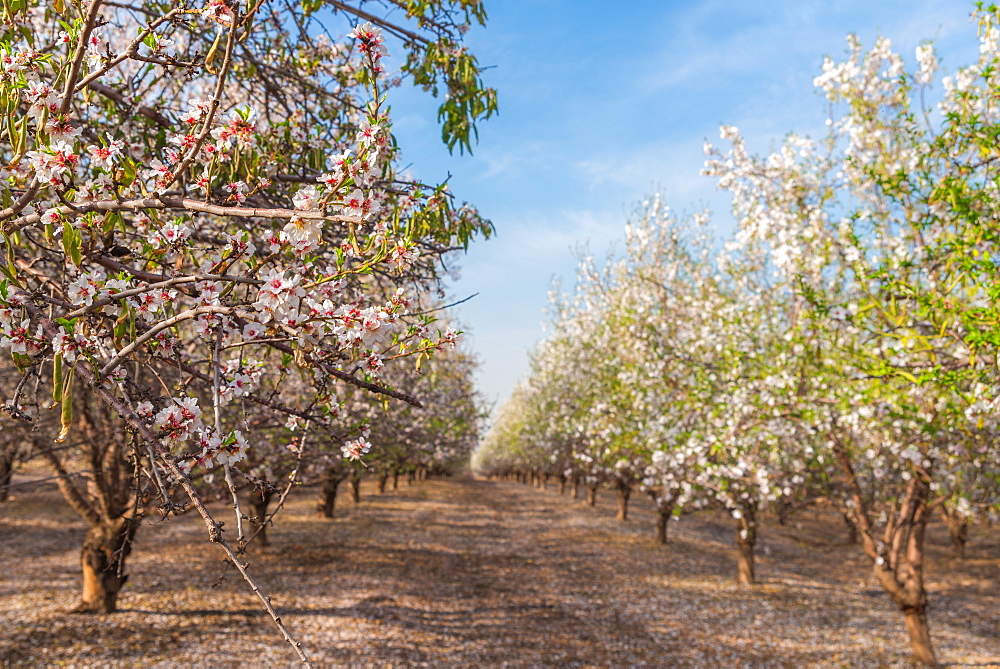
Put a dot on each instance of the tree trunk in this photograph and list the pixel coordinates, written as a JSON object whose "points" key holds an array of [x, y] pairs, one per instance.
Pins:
{"points": [[356, 489], [664, 510], [327, 501], [899, 566], [784, 509], [380, 483], [105, 548], [592, 495], [920, 635], [410, 477], [746, 538], [958, 532], [624, 492], [259, 500], [562, 485], [745, 572], [852, 530], [6, 473], [576, 487], [959, 536], [545, 482], [395, 481]]}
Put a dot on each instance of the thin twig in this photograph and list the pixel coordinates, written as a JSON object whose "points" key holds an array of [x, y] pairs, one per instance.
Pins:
{"points": [[217, 406], [447, 306]]}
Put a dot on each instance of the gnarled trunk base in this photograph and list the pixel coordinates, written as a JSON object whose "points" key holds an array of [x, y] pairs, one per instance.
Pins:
{"points": [[105, 548]]}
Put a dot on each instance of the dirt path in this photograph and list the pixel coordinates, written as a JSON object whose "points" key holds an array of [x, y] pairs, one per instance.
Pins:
{"points": [[462, 572]]}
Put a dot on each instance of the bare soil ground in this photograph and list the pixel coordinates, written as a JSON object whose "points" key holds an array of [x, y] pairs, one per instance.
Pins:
{"points": [[461, 572]]}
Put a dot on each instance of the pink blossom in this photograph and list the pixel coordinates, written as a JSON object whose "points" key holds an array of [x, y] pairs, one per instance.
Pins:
{"points": [[353, 450]]}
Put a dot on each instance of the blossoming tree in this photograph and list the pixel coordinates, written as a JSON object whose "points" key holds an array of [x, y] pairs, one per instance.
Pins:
{"points": [[886, 230], [198, 197]]}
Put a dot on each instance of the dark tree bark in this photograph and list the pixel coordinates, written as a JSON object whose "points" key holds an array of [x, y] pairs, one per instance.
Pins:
{"points": [[592, 494], [356, 487], [395, 481], [562, 484], [327, 501], [6, 473], [576, 487], [664, 510], [259, 501], [662, 523], [380, 483]]}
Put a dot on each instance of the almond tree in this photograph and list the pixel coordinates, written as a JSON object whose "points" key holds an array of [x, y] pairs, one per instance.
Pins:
{"points": [[189, 183], [885, 231]]}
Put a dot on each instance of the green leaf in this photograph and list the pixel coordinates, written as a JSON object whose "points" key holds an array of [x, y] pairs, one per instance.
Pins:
{"points": [[19, 139], [129, 171], [72, 240]]}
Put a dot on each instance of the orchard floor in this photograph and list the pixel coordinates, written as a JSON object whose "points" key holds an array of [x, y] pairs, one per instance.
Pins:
{"points": [[461, 572]]}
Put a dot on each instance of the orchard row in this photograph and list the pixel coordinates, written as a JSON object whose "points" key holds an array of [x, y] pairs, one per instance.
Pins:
{"points": [[841, 348]]}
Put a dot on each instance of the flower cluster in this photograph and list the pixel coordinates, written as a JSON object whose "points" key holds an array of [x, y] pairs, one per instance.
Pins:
{"points": [[178, 421], [371, 43]]}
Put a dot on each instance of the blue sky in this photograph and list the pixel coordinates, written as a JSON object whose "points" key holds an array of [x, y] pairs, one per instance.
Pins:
{"points": [[602, 104]]}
